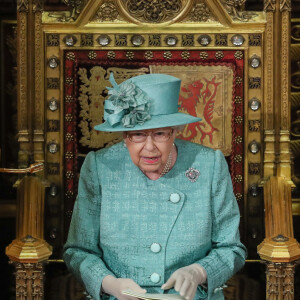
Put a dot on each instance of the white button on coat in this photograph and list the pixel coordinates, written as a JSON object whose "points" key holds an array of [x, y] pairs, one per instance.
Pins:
{"points": [[155, 278], [155, 247], [174, 197]]}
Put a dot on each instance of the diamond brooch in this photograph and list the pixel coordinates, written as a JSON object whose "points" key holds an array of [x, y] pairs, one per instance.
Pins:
{"points": [[192, 174]]}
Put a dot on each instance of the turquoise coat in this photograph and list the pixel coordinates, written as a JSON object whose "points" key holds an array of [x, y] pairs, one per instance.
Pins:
{"points": [[129, 226]]}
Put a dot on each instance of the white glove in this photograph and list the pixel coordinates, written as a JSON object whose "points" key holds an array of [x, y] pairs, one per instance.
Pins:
{"points": [[114, 286], [186, 280]]}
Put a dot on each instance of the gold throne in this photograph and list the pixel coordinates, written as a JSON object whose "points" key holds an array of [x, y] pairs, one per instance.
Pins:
{"points": [[234, 72]]}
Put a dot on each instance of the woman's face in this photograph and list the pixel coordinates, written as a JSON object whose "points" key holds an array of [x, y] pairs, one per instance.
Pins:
{"points": [[150, 156]]}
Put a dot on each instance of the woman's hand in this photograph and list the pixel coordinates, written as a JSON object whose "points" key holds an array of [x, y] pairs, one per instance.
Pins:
{"points": [[186, 280], [114, 286]]}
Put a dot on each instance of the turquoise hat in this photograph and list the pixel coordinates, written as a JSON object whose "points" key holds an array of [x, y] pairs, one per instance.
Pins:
{"points": [[143, 102]]}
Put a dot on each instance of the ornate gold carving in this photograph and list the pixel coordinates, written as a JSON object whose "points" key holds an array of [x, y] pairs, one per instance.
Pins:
{"points": [[53, 83], [52, 39], [221, 39], [187, 40], [285, 5], [254, 125], [285, 75], [158, 11], [107, 12], [255, 39], [53, 168], [280, 280], [72, 15], [269, 5], [254, 83], [269, 71], [235, 9], [52, 125], [154, 40], [254, 168], [37, 6], [38, 72], [121, 40], [91, 102], [200, 13], [22, 71], [29, 280], [22, 6], [87, 40], [77, 7]]}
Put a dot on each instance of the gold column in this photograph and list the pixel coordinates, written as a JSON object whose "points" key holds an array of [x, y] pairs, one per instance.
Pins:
{"points": [[279, 249], [284, 168], [277, 89], [269, 130], [23, 78], [30, 81], [28, 251]]}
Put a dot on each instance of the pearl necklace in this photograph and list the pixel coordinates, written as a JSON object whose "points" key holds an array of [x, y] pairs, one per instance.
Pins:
{"points": [[167, 166]]}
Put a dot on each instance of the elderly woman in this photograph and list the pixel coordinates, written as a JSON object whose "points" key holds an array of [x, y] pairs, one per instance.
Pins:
{"points": [[153, 213]]}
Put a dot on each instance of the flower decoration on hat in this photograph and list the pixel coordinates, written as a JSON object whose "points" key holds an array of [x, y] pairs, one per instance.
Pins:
{"points": [[127, 104]]}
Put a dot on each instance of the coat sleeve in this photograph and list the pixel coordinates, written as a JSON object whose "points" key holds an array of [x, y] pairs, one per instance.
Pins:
{"points": [[82, 253], [227, 254]]}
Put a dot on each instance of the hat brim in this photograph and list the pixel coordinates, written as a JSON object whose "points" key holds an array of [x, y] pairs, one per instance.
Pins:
{"points": [[158, 121]]}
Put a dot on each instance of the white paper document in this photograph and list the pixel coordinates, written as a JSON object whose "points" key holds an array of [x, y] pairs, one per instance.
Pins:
{"points": [[147, 296]]}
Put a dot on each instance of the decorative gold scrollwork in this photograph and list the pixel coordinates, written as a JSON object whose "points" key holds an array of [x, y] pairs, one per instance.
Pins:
{"points": [[37, 6], [77, 7], [235, 8], [269, 5], [149, 11], [200, 13], [107, 12], [22, 6], [285, 5]]}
